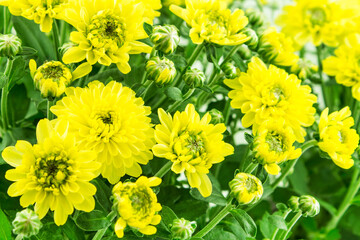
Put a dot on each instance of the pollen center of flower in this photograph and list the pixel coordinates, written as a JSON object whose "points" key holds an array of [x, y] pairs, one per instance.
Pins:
{"points": [[52, 71], [189, 146], [250, 185], [275, 142], [215, 23], [272, 96], [317, 16], [104, 125]]}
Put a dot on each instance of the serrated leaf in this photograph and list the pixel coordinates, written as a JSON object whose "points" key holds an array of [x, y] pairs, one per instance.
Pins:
{"points": [[245, 221], [5, 227], [174, 93], [148, 28], [92, 221], [278, 221]]}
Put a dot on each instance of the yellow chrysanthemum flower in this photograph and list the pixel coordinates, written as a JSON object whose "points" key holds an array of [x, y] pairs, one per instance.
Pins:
{"points": [[337, 138], [54, 173], [211, 21], [192, 144], [42, 11], [316, 21], [167, 3], [137, 206], [263, 93], [273, 145], [276, 48], [345, 65], [151, 7], [246, 188], [107, 32], [111, 121]]}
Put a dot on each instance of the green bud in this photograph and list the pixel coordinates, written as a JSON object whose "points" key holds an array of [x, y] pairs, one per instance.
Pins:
{"points": [[160, 70], [309, 206], [293, 203], [165, 38], [256, 18], [244, 52], [182, 229], [304, 69], [10, 45], [194, 78], [230, 70], [246, 188], [26, 224], [252, 43], [216, 116]]}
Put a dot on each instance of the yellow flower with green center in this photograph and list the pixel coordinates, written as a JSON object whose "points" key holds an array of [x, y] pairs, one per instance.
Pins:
{"points": [[192, 144], [137, 206], [273, 145], [211, 21], [316, 21], [345, 65], [54, 173], [113, 122], [337, 138], [53, 77], [276, 48], [263, 93], [106, 32], [41, 12], [246, 188]]}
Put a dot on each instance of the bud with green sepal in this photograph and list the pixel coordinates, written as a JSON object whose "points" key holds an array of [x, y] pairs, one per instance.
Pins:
{"points": [[182, 229], [160, 70], [165, 38], [255, 17], [194, 78], [244, 52], [293, 203], [252, 43], [304, 69], [309, 206], [26, 224], [216, 116], [246, 188], [230, 70], [10, 45]]}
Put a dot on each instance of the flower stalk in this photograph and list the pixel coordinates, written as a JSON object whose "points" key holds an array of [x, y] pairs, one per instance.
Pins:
{"points": [[4, 95]]}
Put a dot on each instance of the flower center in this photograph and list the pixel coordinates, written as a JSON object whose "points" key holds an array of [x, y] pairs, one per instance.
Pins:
{"points": [[190, 144], [275, 142], [250, 185], [216, 23], [53, 71], [317, 16], [104, 125], [106, 30], [272, 96]]}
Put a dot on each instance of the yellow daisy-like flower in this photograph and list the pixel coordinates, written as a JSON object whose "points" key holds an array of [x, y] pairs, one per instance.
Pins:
{"points": [[192, 144], [276, 48], [137, 206], [211, 21], [273, 145], [151, 7], [42, 11], [111, 121], [316, 21], [53, 77], [337, 138], [246, 188], [345, 65], [263, 93], [54, 173], [107, 32]]}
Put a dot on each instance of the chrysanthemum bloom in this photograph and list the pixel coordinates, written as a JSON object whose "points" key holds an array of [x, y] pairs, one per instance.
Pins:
{"points": [[54, 173], [246, 188], [107, 32], [192, 144], [111, 121], [137, 206], [316, 21], [160, 70], [345, 65], [211, 21], [337, 138], [263, 93], [273, 145], [42, 11], [276, 48], [53, 77], [151, 7]]}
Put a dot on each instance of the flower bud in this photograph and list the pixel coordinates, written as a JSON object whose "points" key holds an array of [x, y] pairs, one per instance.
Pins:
{"points": [[10, 45], [165, 38], [309, 206], [194, 78], [26, 224], [304, 69], [244, 52], [216, 116], [230, 70], [293, 203], [256, 18], [246, 188], [182, 229], [252, 43], [160, 70]]}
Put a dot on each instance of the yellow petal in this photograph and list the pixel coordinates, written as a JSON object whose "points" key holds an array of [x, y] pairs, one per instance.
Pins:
{"points": [[44, 130], [119, 227], [12, 156], [272, 169], [82, 70], [73, 55], [32, 67]]}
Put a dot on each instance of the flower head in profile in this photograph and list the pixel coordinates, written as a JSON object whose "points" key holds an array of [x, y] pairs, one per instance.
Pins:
{"points": [[113, 122], [137, 206], [246, 188], [273, 145], [345, 65], [263, 93], [337, 138], [160, 70], [106, 32], [192, 144], [54, 173], [53, 77], [42, 12], [211, 21]]}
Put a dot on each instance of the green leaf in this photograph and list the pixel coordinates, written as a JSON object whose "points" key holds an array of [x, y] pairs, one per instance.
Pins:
{"points": [[18, 103], [17, 71], [5, 227], [206, 89], [92, 221], [281, 207], [3, 78], [216, 197], [148, 28], [72, 231], [245, 221], [103, 194], [219, 233], [278, 221], [28, 51], [248, 137], [174, 93], [167, 215]]}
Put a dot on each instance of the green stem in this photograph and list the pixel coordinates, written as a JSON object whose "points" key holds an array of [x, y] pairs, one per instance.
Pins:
{"points": [[5, 20], [176, 104], [227, 112], [163, 170], [251, 167], [305, 146], [284, 215], [159, 102], [290, 225], [55, 32], [100, 233], [223, 213], [353, 189], [243, 159], [4, 95], [356, 114], [323, 85], [148, 84], [230, 54]]}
